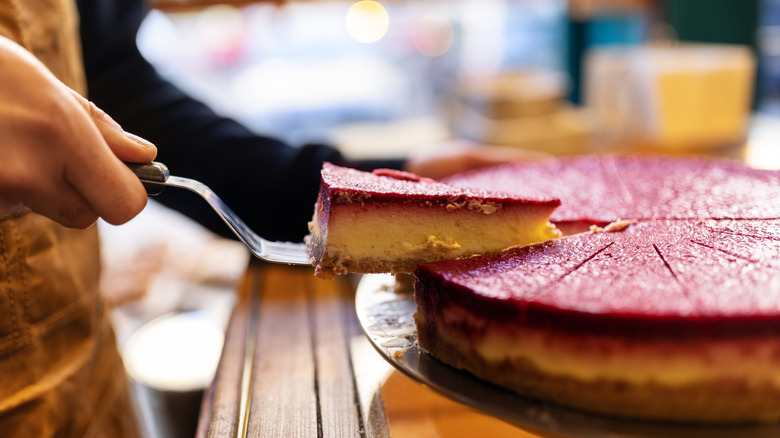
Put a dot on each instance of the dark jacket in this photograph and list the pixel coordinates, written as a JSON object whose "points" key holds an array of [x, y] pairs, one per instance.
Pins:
{"points": [[269, 184]]}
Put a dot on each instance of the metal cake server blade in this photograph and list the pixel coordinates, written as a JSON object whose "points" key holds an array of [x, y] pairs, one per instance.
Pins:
{"points": [[156, 176]]}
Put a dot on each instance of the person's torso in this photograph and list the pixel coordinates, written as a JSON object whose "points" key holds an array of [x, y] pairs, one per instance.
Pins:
{"points": [[60, 373], [48, 29]]}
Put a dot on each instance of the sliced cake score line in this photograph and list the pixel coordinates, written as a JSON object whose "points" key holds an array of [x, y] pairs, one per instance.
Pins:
{"points": [[737, 219], [734, 233], [729, 253], [668, 266], [612, 176], [541, 290]]}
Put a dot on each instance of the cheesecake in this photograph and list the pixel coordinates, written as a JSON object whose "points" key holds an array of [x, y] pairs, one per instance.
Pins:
{"points": [[389, 221], [672, 316], [598, 190]]}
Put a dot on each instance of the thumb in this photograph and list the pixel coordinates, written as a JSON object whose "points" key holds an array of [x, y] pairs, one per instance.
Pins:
{"points": [[126, 146]]}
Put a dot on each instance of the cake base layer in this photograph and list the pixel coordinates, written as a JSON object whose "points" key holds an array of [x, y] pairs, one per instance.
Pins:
{"points": [[727, 401]]}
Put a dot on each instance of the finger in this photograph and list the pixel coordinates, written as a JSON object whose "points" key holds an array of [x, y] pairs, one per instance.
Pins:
{"points": [[107, 185], [76, 198], [110, 189], [63, 205], [96, 171], [126, 146]]}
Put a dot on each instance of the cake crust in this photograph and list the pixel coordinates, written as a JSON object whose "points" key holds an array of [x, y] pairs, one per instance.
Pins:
{"points": [[727, 401]]}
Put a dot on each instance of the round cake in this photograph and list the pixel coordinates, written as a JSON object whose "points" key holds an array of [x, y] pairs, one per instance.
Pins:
{"points": [[674, 315]]}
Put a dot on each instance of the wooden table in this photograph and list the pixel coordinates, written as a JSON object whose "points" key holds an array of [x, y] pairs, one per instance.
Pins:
{"points": [[296, 364]]}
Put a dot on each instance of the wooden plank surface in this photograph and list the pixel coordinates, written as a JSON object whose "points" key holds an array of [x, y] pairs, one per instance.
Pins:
{"points": [[283, 402], [296, 364], [299, 379], [220, 410], [339, 404]]}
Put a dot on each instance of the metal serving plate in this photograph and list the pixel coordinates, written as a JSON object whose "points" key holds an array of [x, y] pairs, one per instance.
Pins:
{"points": [[387, 319]]}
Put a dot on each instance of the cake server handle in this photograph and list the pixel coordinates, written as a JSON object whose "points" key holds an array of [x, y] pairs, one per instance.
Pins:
{"points": [[155, 176]]}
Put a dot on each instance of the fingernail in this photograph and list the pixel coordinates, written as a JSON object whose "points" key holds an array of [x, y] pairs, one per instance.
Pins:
{"points": [[140, 140]]}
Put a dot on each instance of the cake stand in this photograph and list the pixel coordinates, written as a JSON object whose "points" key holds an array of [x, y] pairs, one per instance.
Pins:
{"points": [[386, 316]]}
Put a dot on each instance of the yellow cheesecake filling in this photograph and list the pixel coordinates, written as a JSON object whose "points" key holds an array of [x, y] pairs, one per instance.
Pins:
{"points": [[431, 233], [674, 362]]}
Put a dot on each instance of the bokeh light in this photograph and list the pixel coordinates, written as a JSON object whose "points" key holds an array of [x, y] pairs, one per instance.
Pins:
{"points": [[367, 21], [433, 35]]}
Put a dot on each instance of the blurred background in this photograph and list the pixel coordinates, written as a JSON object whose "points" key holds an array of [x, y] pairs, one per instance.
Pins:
{"points": [[564, 77], [381, 78]]}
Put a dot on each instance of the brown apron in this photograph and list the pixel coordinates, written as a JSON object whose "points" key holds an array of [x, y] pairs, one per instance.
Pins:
{"points": [[60, 373]]}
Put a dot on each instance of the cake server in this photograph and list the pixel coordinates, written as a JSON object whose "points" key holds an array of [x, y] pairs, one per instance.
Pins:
{"points": [[156, 176]]}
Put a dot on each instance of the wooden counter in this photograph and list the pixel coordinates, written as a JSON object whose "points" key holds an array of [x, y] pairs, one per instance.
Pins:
{"points": [[297, 364]]}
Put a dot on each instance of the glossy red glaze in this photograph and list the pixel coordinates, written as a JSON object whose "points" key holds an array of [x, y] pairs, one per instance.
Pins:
{"points": [[702, 258], [344, 185], [607, 188]]}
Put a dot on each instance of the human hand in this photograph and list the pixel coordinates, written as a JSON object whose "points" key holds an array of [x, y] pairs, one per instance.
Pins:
{"points": [[460, 155], [60, 155]]}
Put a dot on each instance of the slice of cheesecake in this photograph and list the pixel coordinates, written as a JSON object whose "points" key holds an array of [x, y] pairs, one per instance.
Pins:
{"points": [[389, 221]]}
